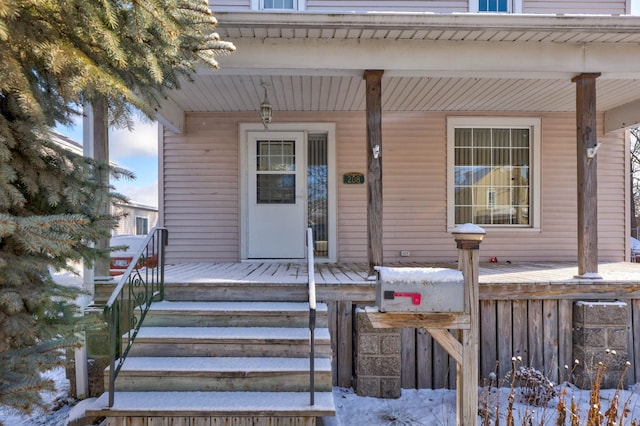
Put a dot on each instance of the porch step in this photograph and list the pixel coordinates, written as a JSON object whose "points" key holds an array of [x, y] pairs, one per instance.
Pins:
{"points": [[214, 404], [231, 291], [233, 314], [229, 342], [221, 374], [223, 353]]}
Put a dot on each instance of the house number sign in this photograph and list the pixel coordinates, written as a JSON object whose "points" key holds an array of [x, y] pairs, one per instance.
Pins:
{"points": [[353, 178]]}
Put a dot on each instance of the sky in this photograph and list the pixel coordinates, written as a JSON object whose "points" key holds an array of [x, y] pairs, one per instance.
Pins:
{"points": [[136, 151]]}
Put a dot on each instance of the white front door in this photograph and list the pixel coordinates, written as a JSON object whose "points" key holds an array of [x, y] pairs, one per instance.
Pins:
{"points": [[276, 195]]}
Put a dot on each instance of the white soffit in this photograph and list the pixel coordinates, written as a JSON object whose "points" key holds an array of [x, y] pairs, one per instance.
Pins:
{"points": [[430, 26], [227, 93], [452, 62]]}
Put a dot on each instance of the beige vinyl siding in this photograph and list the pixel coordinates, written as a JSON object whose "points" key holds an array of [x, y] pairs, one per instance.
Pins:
{"points": [[415, 205], [608, 7], [351, 154], [439, 6], [613, 158], [229, 5], [414, 187], [201, 190]]}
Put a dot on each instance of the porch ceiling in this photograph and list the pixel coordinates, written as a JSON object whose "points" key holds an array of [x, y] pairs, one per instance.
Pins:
{"points": [[466, 62], [347, 93]]}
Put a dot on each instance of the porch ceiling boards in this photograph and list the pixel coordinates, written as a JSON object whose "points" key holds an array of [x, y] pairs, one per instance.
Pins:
{"points": [[314, 62], [230, 93]]}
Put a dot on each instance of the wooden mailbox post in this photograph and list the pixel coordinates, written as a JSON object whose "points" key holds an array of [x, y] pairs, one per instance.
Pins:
{"points": [[464, 349]]}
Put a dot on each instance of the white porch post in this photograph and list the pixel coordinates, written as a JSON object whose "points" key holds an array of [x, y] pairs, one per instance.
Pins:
{"points": [[99, 143], [95, 145]]}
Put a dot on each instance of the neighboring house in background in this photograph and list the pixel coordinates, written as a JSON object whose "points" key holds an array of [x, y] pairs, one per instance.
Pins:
{"points": [[67, 143], [136, 219], [503, 77]]}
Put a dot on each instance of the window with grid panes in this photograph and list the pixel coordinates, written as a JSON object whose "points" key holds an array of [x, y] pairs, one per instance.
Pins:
{"points": [[492, 172]]}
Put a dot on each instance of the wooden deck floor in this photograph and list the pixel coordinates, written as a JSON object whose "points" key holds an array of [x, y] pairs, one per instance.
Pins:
{"points": [[356, 273]]}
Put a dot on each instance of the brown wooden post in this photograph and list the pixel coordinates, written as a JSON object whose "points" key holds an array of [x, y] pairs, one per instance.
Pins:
{"points": [[468, 238], [374, 167], [587, 174]]}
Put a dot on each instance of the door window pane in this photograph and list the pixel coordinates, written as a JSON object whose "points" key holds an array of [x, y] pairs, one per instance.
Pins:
{"points": [[276, 189], [276, 156], [275, 182]]}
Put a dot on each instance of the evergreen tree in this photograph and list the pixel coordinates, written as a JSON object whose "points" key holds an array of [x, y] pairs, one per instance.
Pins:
{"points": [[55, 55]]}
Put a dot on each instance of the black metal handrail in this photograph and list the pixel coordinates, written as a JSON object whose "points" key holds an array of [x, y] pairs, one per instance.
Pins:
{"points": [[141, 284], [312, 314]]}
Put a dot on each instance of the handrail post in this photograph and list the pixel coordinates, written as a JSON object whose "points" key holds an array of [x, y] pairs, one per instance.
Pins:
{"points": [[312, 379], [112, 353], [312, 315], [164, 241]]}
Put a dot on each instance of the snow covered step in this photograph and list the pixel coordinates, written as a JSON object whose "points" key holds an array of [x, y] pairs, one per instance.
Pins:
{"points": [[214, 405], [233, 314], [229, 342], [221, 374], [233, 291]]}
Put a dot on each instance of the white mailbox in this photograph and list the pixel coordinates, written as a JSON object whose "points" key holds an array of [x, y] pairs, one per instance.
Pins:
{"points": [[404, 289]]}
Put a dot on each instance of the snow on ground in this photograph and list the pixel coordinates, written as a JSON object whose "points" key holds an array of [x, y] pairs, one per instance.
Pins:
{"points": [[423, 407], [428, 407], [58, 401]]}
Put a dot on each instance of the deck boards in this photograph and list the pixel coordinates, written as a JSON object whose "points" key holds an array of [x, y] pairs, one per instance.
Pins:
{"points": [[356, 273]]}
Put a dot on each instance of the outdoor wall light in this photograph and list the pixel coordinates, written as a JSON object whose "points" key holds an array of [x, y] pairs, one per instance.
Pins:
{"points": [[376, 151], [591, 152], [265, 109]]}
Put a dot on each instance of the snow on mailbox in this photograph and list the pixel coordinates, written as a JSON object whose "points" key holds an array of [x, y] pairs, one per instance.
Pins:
{"points": [[404, 289]]}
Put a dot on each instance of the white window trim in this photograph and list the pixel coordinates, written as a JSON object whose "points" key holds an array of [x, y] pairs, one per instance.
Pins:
{"points": [[306, 127], [298, 5], [536, 181], [515, 6]]}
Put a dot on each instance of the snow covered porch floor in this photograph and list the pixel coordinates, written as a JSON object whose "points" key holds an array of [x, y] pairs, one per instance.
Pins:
{"points": [[356, 273], [348, 281]]}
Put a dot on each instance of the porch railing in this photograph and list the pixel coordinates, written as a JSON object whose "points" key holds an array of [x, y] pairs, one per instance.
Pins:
{"points": [[141, 284], [312, 314]]}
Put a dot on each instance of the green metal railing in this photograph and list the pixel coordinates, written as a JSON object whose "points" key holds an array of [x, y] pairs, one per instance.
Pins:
{"points": [[141, 284]]}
